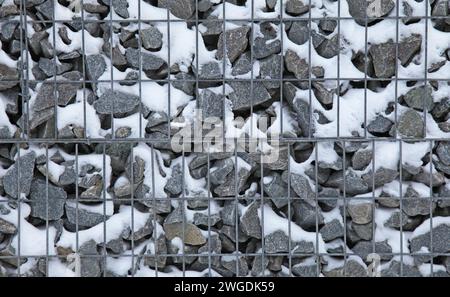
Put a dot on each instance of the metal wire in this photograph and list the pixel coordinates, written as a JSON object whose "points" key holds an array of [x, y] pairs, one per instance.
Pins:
{"points": [[137, 257]]}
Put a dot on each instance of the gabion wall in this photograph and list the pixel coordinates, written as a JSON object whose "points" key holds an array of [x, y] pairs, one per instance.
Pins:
{"points": [[224, 138]]}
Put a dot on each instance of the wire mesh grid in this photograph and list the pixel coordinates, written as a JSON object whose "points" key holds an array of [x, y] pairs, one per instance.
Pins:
{"points": [[115, 214]]}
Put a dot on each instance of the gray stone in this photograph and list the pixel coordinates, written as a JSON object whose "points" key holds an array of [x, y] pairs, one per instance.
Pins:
{"points": [[220, 170], [83, 217], [300, 185], [382, 176], [327, 25], [332, 230], [205, 220], [140, 233], [420, 98], [307, 215], [18, 177], [270, 68], [414, 204], [397, 268], [441, 108], [40, 205], [379, 125], [155, 252], [308, 270], [359, 9], [183, 9], [441, 240], [399, 220], [277, 189], [361, 159], [241, 98], [210, 70], [151, 38], [121, 8], [410, 124], [242, 65], [147, 61], [236, 41], [263, 48], [211, 104], [240, 268], [276, 242], [250, 223], [299, 32], [7, 227], [443, 152], [50, 68], [351, 268], [303, 248], [408, 48], [185, 82], [299, 67], [192, 234], [364, 248], [361, 213], [229, 213], [116, 102], [383, 56], [9, 77], [296, 7], [90, 263], [325, 47], [174, 184], [7, 29], [322, 94], [354, 184], [363, 231]]}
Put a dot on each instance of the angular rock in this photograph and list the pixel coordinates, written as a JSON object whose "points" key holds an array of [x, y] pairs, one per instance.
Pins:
{"points": [[420, 98], [9, 77], [151, 38], [276, 242], [361, 213], [296, 7], [411, 124], [250, 223], [148, 62], [298, 66], [116, 102], [332, 230], [18, 177], [40, 205], [236, 41]]}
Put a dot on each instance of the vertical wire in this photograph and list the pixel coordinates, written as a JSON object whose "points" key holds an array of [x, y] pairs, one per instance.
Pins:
{"points": [[19, 199], [339, 74], [401, 204], [262, 210], [281, 68], [431, 205], [209, 209], [55, 74], [111, 41], [289, 208], [310, 118], [373, 196], [183, 210], [397, 29], [425, 110], [345, 204], [316, 197], [83, 61], [365, 72], [168, 76], [47, 248], [140, 71], [236, 203], [155, 227], [104, 209], [77, 235], [132, 207]]}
